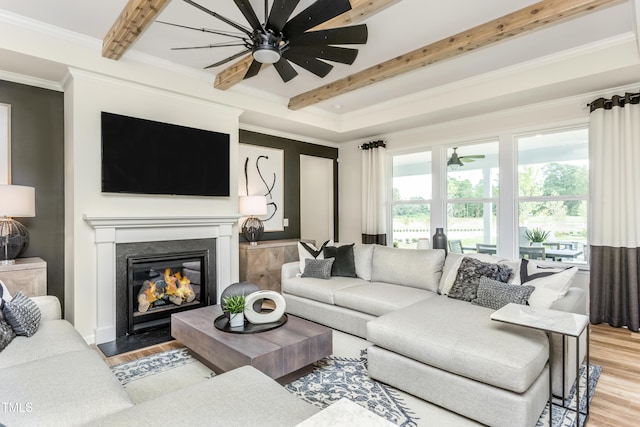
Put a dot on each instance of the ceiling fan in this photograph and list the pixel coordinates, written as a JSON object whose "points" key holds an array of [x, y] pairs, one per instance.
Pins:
{"points": [[455, 161], [279, 40]]}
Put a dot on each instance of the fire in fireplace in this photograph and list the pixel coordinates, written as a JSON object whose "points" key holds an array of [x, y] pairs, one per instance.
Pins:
{"points": [[162, 284]]}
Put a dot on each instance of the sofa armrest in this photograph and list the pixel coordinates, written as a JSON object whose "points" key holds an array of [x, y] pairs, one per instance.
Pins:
{"points": [[290, 269], [49, 307], [575, 301]]}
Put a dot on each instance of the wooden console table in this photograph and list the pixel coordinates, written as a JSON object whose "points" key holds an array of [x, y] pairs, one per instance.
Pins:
{"points": [[27, 275], [262, 263]]}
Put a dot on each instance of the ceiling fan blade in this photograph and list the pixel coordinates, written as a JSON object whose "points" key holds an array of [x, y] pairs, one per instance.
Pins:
{"points": [[231, 58], [248, 12], [473, 156], [204, 30], [356, 34], [220, 17], [253, 69], [319, 12], [209, 46], [309, 63], [343, 55], [286, 70], [281, 10]]}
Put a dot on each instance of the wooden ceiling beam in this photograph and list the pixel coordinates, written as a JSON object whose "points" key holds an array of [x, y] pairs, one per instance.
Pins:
{"points": [[360, 10], [538, 15], [133, 20]]}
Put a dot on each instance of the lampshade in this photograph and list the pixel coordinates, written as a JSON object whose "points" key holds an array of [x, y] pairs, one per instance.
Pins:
{"points": [[252, 205], [17, 201]]}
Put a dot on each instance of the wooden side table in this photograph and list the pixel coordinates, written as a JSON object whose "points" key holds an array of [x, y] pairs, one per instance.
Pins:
{"points": [[262, 263], [552, 322], [27, 275]]}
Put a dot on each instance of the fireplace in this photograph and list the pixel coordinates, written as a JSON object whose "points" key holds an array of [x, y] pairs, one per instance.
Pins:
{"points": [[156, 279], [160, 285]]}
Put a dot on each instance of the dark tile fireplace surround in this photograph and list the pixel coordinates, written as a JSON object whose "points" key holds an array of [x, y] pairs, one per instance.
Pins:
{"points": [[135, 329]]}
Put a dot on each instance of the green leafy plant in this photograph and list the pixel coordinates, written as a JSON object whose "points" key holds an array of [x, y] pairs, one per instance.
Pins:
{"points": [[234, 304], [537, 235]]}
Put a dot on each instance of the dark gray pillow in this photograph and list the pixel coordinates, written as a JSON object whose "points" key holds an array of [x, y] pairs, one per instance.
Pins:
{"points": [[344, 264], [22, 314], [317, 268], [465, 287], [495, 295], [6, 334]]}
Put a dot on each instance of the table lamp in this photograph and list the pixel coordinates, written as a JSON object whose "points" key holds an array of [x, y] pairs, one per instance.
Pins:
{"points": [[252, 227], [15, 201]]}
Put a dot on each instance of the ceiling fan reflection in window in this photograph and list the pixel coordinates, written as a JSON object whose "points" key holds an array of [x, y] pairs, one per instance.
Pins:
{"points": [[455, 161], [279, 40]]}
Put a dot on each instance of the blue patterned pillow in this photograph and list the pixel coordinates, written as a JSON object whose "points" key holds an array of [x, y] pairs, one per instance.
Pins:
{"points": [[22, 314], [495, 295]]}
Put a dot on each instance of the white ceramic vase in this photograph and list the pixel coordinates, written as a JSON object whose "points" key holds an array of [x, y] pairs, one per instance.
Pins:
{"points": [[236, 319]]}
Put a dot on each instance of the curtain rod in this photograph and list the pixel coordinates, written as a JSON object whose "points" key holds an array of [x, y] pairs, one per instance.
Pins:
{"points": [[373, 144], [615, 101]]}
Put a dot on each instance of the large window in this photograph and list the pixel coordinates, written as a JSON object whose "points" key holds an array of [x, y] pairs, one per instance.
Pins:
{"points": [[472, 195], [553, 185], [411, 200]]}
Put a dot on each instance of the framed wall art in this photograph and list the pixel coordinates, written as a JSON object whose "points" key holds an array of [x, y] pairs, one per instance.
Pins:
{"points": [[262, 174]]}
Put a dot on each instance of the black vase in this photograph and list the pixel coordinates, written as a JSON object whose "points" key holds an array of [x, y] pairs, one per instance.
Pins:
{"points": [[440, 240]]}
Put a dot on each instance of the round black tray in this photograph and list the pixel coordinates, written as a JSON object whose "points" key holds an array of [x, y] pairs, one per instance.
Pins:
{"points": [[222, 323]]}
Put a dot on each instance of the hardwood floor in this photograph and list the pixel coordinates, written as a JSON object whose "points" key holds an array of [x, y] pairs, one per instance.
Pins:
{"points": [[616, 402], [617, 398]]}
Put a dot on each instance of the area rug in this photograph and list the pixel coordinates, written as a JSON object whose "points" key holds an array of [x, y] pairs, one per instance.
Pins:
{"points": [[332, 379]]}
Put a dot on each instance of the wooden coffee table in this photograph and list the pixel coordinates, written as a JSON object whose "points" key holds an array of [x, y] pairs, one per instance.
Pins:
{"points": [[284, 354]]}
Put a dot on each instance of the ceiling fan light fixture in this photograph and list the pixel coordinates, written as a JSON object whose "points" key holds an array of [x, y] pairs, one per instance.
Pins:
{"points": [[266, 54]]}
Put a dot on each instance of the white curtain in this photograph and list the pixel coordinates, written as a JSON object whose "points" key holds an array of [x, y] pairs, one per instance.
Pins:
{"points": [[374, 193], [614, 150]]}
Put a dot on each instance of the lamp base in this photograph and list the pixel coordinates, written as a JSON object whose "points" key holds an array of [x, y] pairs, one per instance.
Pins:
{"points": [[14, 238], [253, 230]]}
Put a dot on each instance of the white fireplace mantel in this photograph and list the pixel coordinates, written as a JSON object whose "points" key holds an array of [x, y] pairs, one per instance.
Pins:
{"points": [[110, 231]]}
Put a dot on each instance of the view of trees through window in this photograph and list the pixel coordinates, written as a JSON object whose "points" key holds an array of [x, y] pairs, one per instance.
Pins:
{"points": [[552, 183]]}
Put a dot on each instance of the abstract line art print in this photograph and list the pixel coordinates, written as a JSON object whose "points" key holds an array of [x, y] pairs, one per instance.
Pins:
{"points": [[262, 174]]}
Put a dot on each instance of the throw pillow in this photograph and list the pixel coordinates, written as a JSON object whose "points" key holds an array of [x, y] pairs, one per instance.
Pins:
{"points": [[494, 294], [5, 296], [309, 251], [318, 268], [22, 314], [452, 264], [6, 334], [551, 283], [465, 287], [344, 264]]}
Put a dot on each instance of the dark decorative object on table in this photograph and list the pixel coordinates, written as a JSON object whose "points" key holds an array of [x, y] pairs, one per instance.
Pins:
{"points": [[440, 240], [242, 288]]}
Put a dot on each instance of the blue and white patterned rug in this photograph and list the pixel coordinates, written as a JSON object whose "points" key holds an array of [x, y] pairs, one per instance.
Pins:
{"points": [[334, 378]]}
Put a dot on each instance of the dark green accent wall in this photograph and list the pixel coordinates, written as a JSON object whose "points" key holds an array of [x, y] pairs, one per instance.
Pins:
{"points": [[37, 160], [292, 151]]}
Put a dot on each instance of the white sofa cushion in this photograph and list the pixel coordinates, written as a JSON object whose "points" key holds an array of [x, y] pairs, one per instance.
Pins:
{"points": [[363, 257], [418, 268], [318, 289], [67, 389], [53, 337], [460, 338], [379, 298]]}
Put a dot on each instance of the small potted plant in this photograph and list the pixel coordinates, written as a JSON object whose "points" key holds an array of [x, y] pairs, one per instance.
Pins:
{"points": [[235, 306], [537, 236]]}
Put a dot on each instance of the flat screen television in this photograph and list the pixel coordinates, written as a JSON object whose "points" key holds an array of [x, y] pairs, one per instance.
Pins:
{"points": [[146, 157]]}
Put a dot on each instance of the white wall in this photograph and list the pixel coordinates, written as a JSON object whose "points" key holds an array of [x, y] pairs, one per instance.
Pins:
{"points": [[86, 95]]}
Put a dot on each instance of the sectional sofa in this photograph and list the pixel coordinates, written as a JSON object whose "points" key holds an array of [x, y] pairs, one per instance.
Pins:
{"points": [[54, 378], [444, 350]]}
